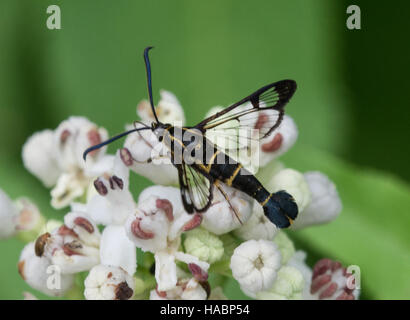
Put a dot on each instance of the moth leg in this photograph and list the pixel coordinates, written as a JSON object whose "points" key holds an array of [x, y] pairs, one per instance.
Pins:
{"points": [[217, 184]]}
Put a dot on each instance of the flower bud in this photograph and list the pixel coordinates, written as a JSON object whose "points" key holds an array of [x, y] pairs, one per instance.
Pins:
{"points": [[220, 218], [30, 220], [287, 286], [257, 227], [285, 246], [39, 157], [74, 247], [204, 245], [168, 110], [325, 204], [293, 182]]}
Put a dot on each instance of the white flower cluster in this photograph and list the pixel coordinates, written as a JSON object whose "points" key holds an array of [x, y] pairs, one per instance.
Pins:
{"points": [[55, 157], [106, 226]]}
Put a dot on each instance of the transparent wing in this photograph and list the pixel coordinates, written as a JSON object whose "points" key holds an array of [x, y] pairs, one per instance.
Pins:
{"points": [[245, 113], [242, 125], [196, 188]]}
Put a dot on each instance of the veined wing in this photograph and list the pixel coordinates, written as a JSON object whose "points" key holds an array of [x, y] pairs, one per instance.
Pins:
{"points": [[243, 124], [270, 100], [196, 188]]}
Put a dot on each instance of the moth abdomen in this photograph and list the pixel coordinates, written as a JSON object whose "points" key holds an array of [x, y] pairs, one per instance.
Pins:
{"points": [[280, 208]]}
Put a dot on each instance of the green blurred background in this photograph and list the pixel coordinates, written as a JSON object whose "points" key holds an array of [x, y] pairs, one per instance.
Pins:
{"points": [[350, 106]]}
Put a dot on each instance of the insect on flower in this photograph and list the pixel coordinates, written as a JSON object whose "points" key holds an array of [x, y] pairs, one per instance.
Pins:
{"points": [[40, 244], [203, 165]]}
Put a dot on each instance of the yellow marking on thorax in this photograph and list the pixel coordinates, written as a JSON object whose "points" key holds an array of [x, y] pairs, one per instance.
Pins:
{"points": [[229, 181], [266, 200]]}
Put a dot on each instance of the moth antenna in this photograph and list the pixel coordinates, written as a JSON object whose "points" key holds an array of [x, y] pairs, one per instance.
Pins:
{"points": [[149, 81], [102, 144]]}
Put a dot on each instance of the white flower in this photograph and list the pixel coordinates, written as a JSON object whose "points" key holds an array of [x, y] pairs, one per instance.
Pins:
{"points": [[148, 157], [74, 247], [108, 283], [112, 202], [40, 274], [39, 157], [159, 219], [8, 216], [257, 227], [325, 205], [69, 187], [220, 218], [254, 265], [293, 182], [55, 157], [149, 227], [187, 289], [165, 271], [117, 250], [157, 226], [72, 137], [168, 110]]}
